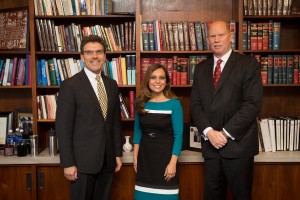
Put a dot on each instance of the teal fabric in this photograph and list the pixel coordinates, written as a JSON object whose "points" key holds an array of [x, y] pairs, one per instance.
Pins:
{"points": [[177, 121], [148, 196]]}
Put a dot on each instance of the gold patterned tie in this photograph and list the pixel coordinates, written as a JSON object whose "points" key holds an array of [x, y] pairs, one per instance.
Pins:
{"points": [[101, 96]]}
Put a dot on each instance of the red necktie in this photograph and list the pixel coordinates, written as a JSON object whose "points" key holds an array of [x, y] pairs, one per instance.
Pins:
{"points": [[217, 73]]}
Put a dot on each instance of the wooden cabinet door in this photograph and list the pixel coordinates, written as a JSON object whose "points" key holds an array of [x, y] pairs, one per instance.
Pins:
{"points": [[51, 183], [16, 182]]}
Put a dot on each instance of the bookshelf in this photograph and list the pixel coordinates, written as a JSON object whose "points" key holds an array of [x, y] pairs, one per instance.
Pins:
{"points": [[279, 99]]}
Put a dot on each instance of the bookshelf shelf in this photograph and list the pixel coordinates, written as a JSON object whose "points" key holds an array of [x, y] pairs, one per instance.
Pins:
{"points": [[46, 120], [273, 51], [273, 17], [78, 53], [16, 87], [176, 52], [13, 52], [281, 85], [75, 17]]}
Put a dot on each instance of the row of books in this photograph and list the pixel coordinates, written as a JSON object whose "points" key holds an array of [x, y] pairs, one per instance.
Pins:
{"points": [[125, 112], [15, 71], [61, 38], [178, 35], [279, 69], [72, 7], [267, 7], [180, 70], [121, 69], [46, 106], [279, 133], [54, 71], [261, 36]]}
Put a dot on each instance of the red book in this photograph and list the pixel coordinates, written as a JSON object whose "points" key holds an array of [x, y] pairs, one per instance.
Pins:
{"points": [[145, 63], [131, 103], [265, 36], [184, 71], [174, 70], [296, 68], [253, 36], [170, 63]]}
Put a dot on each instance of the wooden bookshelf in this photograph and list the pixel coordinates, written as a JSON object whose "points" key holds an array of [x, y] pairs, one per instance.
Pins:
{"points": [[272, 180]]}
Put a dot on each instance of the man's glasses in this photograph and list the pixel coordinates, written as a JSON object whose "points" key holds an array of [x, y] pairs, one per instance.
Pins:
{"points": [[90, 52]]}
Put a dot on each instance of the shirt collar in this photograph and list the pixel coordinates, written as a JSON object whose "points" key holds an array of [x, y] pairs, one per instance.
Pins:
{"points": [[91, 75], [224, 58]]}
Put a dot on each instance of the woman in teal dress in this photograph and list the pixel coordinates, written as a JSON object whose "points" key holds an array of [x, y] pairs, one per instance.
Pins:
{"points": [[158, 130]]}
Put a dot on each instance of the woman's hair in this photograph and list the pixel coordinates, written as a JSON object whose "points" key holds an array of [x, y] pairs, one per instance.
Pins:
{"points": [[145, 91]]}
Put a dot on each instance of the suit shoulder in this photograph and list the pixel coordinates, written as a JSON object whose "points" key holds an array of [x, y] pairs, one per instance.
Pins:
{"points": [[72, 80]]}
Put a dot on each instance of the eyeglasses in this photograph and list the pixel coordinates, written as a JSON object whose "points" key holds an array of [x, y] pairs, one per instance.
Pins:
{"points": [[91, 52]]}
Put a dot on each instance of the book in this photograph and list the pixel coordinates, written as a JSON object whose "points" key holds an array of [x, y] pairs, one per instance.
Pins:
{"points": [[265, 134], [192, 35], [39, 32], [131, 103], [276, 35], [14, 71], [198, 34], [186, 36], [133, 69], [129, 69], [253, 35], [245, 36], [145, 36], [123, 106], [233, 32], [6, 72], [150, 35], [180, 36]]}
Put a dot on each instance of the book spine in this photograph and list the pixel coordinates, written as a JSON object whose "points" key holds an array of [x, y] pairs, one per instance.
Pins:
{"points": [[276, 35], [131, 103]]}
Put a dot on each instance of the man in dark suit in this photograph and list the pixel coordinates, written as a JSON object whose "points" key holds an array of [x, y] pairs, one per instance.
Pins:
{"points": [[225, 112], [89, 136]]}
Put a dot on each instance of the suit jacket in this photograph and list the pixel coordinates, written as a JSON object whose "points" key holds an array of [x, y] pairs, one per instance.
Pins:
{"points": [[233, 105], [85, 139]]}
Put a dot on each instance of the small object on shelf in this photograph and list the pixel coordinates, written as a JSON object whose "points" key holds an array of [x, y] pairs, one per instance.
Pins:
{"points": [[52, 143], [127, 147], [34, 145]]}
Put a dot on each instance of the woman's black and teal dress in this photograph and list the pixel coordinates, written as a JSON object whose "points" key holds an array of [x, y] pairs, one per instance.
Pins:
{"points": [[159, 135]]}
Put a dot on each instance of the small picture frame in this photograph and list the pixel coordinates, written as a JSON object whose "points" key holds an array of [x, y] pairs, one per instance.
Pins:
{"points": [[4, 118], [25, 121], [194, 139], [14, 34]]}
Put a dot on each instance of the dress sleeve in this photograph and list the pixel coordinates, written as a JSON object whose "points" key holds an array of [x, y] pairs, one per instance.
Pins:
{"points": [[177, 121], [137, 130]]}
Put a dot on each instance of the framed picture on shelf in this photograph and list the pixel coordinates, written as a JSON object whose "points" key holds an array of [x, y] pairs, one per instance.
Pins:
{"points": [[14, 34], [4, 118], [24, 121], [194, 139]]}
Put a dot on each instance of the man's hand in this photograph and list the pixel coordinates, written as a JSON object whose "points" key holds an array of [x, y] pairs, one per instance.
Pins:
{"points": [[216, 138], [71, 173], [118, 164]]}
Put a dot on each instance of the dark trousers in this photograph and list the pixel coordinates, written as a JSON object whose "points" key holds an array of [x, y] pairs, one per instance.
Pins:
{"points": [[220, 172], [92, 186]]}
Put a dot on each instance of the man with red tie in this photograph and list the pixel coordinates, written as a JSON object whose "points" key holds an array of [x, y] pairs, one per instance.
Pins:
{"points": [[226, 98]]}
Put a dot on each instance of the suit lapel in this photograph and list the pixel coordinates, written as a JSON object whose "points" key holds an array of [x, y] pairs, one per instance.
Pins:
{"points": [[90, 91], [226, 71]]}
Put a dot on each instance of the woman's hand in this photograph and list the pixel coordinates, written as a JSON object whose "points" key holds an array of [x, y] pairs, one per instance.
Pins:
{"points": [[170, 171], [135, 155]]}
